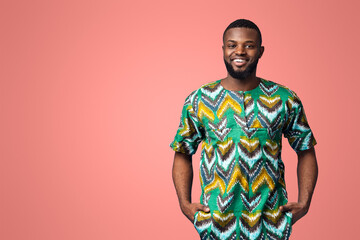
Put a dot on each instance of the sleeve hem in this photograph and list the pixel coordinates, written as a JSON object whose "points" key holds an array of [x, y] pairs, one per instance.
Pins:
{"points": [[307, 147], [178, 147]]}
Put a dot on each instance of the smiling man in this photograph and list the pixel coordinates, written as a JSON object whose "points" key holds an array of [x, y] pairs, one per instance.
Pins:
{"points": [[240, 121]]}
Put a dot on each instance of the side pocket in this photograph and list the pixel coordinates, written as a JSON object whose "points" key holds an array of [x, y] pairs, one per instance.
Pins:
{"points": [[289, 217], [288, 229], [195, 215]]}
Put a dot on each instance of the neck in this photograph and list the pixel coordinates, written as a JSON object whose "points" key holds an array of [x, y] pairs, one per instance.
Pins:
{"points": [[236, 84]]}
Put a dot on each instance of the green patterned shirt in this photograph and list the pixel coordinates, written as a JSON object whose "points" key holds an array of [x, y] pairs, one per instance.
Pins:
{"points": [[241, 171]]}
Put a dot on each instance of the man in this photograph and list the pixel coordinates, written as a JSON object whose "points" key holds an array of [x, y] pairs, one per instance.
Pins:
{"points": [[240, 121]]}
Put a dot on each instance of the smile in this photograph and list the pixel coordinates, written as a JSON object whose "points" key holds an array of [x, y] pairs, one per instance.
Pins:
{"points": [[239, 62]]}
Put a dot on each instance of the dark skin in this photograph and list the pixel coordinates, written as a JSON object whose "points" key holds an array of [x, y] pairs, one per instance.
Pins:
{"points": [[241, 43], [307, 173], [241, 48], [182, 173]]}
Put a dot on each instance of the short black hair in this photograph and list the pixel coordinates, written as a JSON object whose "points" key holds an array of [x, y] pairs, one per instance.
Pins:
{"points": [[244, 23]]}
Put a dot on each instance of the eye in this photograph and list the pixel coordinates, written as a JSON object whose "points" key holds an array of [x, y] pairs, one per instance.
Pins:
{"points": [[231, 46], [249, 46]]}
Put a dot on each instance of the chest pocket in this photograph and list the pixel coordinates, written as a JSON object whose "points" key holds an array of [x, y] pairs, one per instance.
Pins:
{"points": [[221, 133], [265, 112], [275, 128], [272, 132], [218, 132], [272, 128]]}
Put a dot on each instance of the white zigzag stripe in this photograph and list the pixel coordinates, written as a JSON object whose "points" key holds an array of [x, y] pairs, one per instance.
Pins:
{"points": [[254, 203], [251, 235], [257, 156], [273, 215], [278, 231], [277, 98], [249, 144], [226, 202], [205, 226], [226, 234], [210, 164], [251, 218], [274, 161], [225, 164], [212, 95], [225, 218], [270, 115]]}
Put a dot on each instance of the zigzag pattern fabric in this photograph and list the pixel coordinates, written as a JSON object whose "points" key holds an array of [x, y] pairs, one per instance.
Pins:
{"points": [[241, 171]]}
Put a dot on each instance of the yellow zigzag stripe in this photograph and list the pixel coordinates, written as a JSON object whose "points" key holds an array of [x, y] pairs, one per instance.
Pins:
{"points": [[227, 103], [205, 111], [270, 101], [247, 98], [211, 85], [273, 215], [188, 129], [290, 103], [216, 183], [251, 218], [238, 176], [281, 180], [208, 148], [203, 216], [263, 178], [223, 218], [225, 146], [249, 144], [256, 124], [272, 147]]}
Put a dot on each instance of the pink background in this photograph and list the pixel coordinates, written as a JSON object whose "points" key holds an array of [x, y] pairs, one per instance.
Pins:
{"points": [[91, 94]]}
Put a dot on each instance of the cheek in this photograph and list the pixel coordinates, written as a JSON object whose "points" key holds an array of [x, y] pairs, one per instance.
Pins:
{"points": [[226, 54], [257, 54]]}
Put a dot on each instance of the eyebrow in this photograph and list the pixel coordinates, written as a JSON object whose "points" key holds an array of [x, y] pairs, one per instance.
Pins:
{"points": [[248, 41]]}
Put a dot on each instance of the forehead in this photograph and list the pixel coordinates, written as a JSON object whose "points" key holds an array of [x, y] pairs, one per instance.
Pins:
{"points": [[241, 35]]}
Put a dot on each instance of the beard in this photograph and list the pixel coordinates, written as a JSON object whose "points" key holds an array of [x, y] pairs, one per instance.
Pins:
{"points": [[241, 74]]}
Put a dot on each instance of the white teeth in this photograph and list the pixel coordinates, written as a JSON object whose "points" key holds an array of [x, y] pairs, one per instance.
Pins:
{"points": [[239, 60]]}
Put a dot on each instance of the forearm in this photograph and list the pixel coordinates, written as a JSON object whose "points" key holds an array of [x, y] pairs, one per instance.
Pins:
{"points": [[182, 174], [307, 171]]}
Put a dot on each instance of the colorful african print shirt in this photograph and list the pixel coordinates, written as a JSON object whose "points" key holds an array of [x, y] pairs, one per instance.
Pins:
{"points": [[241, 171]]}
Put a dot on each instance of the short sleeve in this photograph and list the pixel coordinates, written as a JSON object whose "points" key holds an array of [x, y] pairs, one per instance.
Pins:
{"points": [[296, 129], [190, 132]]}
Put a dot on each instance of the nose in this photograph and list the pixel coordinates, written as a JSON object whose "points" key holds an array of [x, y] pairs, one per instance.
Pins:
{"points": [[240, 50]]}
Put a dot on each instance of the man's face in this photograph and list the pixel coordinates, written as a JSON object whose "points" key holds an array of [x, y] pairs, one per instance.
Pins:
{"points": [[242, 51]]}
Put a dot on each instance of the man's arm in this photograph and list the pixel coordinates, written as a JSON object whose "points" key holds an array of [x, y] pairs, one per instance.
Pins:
{"points": [[307, 172], [182, 174]]}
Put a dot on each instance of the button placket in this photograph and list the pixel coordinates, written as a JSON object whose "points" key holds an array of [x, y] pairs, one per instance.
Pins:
{"points": [[243, 112]]}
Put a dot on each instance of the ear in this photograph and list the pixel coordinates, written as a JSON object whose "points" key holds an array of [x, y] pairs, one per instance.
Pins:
{"points": [[223, 47], [262, 48]]}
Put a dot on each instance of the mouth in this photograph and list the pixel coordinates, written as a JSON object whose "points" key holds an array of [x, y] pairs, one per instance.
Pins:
{"points": [[239, 61]]}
